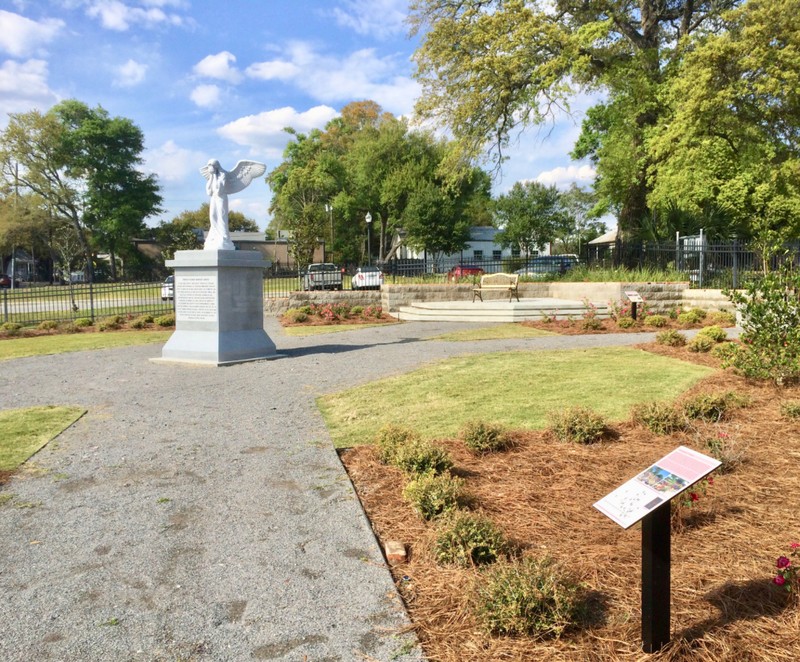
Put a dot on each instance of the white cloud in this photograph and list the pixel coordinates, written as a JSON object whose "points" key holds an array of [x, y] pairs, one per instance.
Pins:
{"points": [[380, 18], [173, 163], [219, 67], [264, 133], [562, 177], [23, 86], [116, 15], [130, 74], [206, 96], [359, 75], [20, 36]]}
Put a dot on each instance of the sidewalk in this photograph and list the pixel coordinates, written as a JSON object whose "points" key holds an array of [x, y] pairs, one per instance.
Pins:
{"points": [[201, 513]]}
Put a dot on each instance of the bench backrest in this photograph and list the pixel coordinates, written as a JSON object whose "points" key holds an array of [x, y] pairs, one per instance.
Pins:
{"points": [[510, 280]]}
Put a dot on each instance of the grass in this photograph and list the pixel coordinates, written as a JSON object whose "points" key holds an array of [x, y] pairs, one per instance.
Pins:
{"points": [[516, 389], [24, 431], [16, 348], [496, 332], [322, 328]]}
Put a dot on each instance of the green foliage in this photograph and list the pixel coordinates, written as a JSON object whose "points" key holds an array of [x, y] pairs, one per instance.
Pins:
{"points": [[10, 328], [770, 310], [721, 318], [693, 316], [83, 322], [528, 597], [626, 322], [528, 215], [434, 495], [701, 344], [466, 539], [790, 409], [714, 333], [69, 327], [47, 325], [110, 323], [295, 315], [712, 407], [357, 311], [725, 351], [579, 425], [655, 320], [671, 338], [165, 320], [392, 437], [659, 417], [418, 457], [727, 450], [141, 322], [481, 437]]}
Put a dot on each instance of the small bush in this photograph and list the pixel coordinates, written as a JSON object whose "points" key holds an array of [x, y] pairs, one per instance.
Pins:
{"points": [[467, 539], [671, 338], [626, 322], [11, 328], [714, 332], [480, 437], [727, 451], [139, 323], [711, 406], [577, 424], [69, 327], [591, 324], [721, 318], [357, 311], [693, 316], [528, 597], [119, 320], [108, 324], [165, 320], [655, 320], [700, 344], [790, 409], [83, 322], [422, 457], [432, 496], [390, 438], [659, 417], [295, 315], [47, 325], [725, 351]]}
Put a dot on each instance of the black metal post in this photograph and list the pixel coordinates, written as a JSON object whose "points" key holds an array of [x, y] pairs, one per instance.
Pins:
{"points": [[656, 579], [633, 310]]}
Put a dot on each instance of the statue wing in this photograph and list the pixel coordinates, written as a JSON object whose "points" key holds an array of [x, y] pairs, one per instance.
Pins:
{"points": [[206, 171], [242, 174]]}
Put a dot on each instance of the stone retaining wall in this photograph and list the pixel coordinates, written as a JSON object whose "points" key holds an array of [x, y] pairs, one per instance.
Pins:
{"points": [[298, 299]]}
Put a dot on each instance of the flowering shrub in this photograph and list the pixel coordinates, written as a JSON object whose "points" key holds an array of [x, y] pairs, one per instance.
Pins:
{"points": [[788, 575], [687, 500], [618, 310], [727, 450], [373, 311]]}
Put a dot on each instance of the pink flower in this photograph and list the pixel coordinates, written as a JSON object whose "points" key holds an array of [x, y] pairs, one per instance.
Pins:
{"points": [[779, 580], [794, 545], [695, 497], [783, 562]]}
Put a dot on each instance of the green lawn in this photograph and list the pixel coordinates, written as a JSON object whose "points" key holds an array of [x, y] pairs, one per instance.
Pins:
{"points": [[24, 431], [517, 389], [15, 348], [323, 329], [495, 332]]}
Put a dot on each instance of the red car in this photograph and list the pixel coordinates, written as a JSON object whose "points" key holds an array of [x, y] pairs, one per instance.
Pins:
{"points": [[5, 281], [464, 271]]}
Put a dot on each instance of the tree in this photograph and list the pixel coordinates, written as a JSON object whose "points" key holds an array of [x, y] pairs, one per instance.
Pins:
{"points": [[729, 145], [489, 68], [577, 226], [84, 165], [528, 216]]}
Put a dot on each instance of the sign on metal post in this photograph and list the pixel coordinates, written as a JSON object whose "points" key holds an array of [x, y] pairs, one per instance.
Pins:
{"points": [[634, 297], [646, 498]]}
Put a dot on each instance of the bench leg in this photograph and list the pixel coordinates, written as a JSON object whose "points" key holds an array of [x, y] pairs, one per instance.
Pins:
{"points": [[476, 294]]}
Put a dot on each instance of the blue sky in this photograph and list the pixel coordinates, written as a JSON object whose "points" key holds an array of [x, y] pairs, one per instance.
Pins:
{"points": [[222, 79]]}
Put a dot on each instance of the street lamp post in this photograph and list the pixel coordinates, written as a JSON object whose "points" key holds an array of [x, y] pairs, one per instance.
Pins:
{"points": [[329, 209], [368, 219]]}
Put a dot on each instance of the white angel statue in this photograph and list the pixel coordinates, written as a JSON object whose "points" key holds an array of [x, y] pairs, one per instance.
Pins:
{"points": [[219, 184]]}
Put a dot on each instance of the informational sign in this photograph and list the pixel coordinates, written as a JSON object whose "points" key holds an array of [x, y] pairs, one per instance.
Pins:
{"points": [[659, 483], [634, 296], [195, 298]]}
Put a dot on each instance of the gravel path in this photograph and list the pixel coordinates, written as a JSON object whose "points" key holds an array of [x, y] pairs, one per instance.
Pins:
{"points": [[200, 513]]}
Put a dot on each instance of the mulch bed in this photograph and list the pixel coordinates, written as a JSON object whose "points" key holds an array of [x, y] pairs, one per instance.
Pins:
{"points": [[724, 604]]}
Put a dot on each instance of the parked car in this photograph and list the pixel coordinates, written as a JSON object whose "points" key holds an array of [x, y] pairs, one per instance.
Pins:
{"points": [[5, 281], [463, 271], [367, 278], [548, 265], [322, 276], [168, 288]]}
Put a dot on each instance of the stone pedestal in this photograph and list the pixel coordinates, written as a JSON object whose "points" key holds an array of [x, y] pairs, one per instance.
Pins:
{"points": [[219, 308]]}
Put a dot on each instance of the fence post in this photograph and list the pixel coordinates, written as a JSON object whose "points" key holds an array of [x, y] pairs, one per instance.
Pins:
{"points": [[735, 264], [5, 305], [91, 300], [702, 260]]}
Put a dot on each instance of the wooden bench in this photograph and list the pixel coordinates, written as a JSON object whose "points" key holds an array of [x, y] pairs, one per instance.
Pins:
{"points": [[497, 283]]}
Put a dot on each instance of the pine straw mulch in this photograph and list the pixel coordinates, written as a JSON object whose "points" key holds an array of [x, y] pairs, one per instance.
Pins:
{"points": [[724, 605], [574, 327]]}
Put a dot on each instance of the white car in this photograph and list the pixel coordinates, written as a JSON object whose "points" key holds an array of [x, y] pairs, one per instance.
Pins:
{"points": [[168, 288], [367, 278]]}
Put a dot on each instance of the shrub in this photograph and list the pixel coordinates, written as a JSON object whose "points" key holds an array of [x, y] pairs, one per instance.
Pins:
{"points": [[47, 325], [671, 338], [69, 327], [577, 424], [422, 457], [108, 324], [790, 409], [711, 406], [83, 322], [480, 437], [659, 417], [591, 324], [165, 320], [770, 338], [655, 320], [721, 318], [390, 438], [432, 496], [691, 317], [295, 315], [357, 311], [11, 328], [727, 451], [467, 539], [626, 322], [725, 351], [714, 332], [528, 597], [140, 322], [119, 320], [700, 344]]}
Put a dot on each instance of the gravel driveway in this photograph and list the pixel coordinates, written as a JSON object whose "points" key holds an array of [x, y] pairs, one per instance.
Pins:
{"points": [[200, 513]]}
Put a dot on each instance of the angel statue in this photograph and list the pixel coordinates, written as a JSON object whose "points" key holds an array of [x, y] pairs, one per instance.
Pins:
{"points": [[220, 183]]}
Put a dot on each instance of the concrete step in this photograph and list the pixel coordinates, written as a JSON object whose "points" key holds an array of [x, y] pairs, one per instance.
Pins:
{"points": [[498, 310]]}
